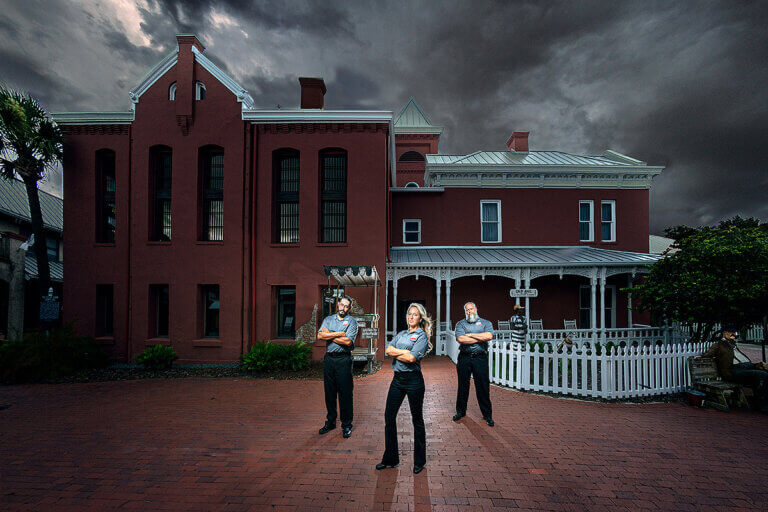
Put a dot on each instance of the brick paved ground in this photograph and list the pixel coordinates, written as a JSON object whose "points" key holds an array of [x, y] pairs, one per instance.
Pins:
{"points": [[245, 444]]}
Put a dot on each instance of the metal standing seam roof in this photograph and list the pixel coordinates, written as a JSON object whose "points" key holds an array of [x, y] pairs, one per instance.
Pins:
{"points": [[520, 158], [30, 268], [14, 202], [516, 256], [412, 116]]}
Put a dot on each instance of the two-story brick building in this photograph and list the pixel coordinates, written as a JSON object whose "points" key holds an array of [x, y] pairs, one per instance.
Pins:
{"points": [[198, 220]]}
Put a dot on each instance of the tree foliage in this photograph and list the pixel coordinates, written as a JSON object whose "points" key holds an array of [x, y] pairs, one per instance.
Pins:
{"points": [[30, 144], [719, 275]]}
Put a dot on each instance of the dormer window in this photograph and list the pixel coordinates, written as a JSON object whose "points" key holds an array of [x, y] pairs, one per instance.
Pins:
{"points": [[199, 91], [172, 92]]}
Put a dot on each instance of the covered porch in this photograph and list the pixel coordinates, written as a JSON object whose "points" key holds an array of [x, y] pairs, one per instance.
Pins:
{"points": [[572, 291]]}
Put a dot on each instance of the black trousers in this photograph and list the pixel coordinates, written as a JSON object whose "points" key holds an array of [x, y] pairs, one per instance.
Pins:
{"points": [[337, 378], [476, 367], [410, 384]]}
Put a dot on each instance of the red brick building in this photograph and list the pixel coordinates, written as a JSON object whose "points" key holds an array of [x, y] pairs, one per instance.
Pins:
{"points": [[198, 220]]}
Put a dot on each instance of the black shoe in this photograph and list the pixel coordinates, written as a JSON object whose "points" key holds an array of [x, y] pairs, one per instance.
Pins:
{"points": [[327, 428], [489, 421], [381, 465], [417, 469], [457, 416], [346, 432]]}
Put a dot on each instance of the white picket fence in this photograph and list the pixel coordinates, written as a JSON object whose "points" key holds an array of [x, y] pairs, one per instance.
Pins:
{"points": [[621, 372]]}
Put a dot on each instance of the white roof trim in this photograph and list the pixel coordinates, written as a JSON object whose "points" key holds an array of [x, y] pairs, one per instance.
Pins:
{"points": [[293, 116], [243, 96], [154, 75], [416, 130], [416, 189], [613, 155], [65, 118]]}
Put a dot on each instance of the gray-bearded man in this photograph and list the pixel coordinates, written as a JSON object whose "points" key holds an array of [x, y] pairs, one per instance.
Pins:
{"points": [[473, 334]]}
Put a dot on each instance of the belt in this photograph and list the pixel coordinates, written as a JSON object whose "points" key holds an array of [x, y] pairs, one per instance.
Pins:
{"points": [[474, 354], [337, 354]]}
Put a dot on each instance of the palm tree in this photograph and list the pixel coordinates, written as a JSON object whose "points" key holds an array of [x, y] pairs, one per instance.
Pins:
{"points": [[30, 144]]}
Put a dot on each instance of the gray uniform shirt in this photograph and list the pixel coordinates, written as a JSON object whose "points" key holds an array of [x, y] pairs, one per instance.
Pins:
{"points": [[416, 342], [334, 324], [480, 325]]}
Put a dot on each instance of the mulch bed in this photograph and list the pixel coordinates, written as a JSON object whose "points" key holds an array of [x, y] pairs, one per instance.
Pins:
{"points": [[132, 372]]}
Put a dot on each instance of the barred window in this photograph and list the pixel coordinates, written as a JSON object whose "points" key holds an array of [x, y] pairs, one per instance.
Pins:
{"points": [[159, 312], [287, 176], [333, 197], [209, 295], [286, 311], [105, 194], [160, 181], [104, 310], [212, 194], [411, 156]]}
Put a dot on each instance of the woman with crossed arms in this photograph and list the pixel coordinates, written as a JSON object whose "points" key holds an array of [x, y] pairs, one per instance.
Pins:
{"points": [[407, 348]]}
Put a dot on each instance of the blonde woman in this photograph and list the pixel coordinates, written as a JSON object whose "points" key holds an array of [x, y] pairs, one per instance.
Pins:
{"points": [[406, 350]]}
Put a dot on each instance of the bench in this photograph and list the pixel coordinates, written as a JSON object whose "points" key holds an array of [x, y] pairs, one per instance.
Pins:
{"points": [[704, 377]]}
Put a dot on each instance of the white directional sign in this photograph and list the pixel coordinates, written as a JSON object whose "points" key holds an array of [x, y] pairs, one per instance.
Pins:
{"points": [[369, 333], [523, 292]]}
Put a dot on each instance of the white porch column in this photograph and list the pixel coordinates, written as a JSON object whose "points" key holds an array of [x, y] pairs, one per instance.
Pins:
{"points": [[629, 301], [602, 305], [517, 286], [448, 301], [394, 306], [593, 307], [526, 285], [438, 287]]}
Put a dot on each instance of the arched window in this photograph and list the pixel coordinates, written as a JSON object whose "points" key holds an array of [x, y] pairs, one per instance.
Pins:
{"points": [[199, 91], [333, 196], [172, 92], [105, 192], [160, 165], [411, 156], [411, 184], [286, 179], [211, 193]]}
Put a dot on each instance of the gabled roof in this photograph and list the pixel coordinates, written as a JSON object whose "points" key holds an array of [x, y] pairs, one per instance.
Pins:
{"points": [[14, 203], [171, 59], [412, 119]]}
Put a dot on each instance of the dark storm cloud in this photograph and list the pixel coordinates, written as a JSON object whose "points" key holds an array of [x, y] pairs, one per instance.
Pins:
{"points": [[677, 84]]}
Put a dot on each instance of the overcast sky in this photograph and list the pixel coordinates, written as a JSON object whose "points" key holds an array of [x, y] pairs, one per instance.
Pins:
{"points": [[678, 84]]}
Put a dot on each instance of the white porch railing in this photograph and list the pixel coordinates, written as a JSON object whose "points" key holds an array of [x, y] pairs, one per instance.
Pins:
{"points": [[615, 336], [620, 372]]}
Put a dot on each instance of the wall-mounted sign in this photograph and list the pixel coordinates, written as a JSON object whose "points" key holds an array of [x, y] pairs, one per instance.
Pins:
{"points": [[369, 333], [523, 292]]}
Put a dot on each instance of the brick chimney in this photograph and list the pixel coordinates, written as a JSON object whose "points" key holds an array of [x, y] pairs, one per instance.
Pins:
{"points": [[312, 92], [518, 141], [185, 80]]}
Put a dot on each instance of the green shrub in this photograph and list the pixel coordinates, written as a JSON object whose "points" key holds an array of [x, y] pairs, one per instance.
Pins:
{"points": [[36, 357], [158, 357], [269, 356]]}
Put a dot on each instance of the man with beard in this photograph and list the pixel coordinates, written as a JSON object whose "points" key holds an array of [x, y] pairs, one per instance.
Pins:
{"points": [[473, 334], [338, 332]]}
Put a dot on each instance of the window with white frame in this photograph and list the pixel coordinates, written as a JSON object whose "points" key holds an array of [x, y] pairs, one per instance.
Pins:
{"points": [[586, 219], [411, 231], [585, 308], [490, 221], [199, 91], [608, 220]]}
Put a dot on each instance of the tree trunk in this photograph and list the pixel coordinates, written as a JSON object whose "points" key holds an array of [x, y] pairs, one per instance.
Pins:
{"points": [[765, 333], [707, 332], [40, 248]]}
